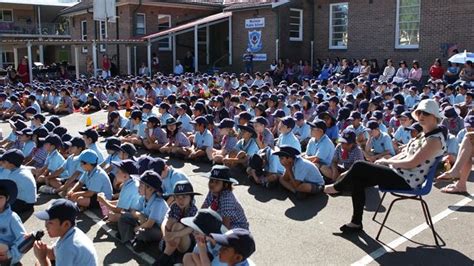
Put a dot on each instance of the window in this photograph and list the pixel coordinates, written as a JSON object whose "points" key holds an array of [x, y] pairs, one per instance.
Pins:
{"points": [[103, 34], [164, 23], [6, 15], [84, 34], [407, 32], [7, 59], [140, 28], [296, 24], [338, 21]]}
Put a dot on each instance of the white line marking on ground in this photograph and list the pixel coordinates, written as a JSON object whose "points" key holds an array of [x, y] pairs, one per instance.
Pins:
{"points": [[410, 234], [147, 258]]}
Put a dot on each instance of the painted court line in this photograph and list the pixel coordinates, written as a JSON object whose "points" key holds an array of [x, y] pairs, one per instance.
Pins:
{"points": [[410, 234], [147, 258]]}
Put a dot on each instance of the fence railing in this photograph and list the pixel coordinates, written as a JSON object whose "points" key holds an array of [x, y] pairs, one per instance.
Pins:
{"points": [[17, 28]]}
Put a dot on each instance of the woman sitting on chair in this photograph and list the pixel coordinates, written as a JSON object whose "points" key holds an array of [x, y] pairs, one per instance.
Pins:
{"points": [[407, 170]]}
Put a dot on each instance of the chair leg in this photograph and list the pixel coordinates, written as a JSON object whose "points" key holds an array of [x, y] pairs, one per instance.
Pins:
{"points": [[378, 207], [386, 216], [429, 221]]}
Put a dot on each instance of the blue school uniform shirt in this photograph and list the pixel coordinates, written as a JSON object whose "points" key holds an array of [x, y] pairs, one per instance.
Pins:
{"points": [[12, 137], [75, 248], [303, 132], [28, 148], [359, 130], [333, 132], [383, 143], [453, 145], [129, 197], [306, 172], [250, 147], [25, 182], [186, 125], [204, 139], [288, 139], [323, 149], [383, 128], [97, 181], [273, 164], [460, 135], [171, 179], [459, 99], [72, 165], [139, 129], [402, 135], [410, 101], [54, 161], [114, 157], [155, 208], [164, 117], [95, 148], [13, 233]]}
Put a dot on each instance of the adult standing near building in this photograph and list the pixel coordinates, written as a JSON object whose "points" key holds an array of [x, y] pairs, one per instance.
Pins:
{"points": [[248, 61], [189, 62], [106, 65], [178, 69], [22, 71]]}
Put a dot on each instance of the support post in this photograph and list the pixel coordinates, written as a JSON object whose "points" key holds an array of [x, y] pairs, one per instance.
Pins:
{"points": [[196, 49], [277, 49], [40, 32], [30, 61], [129, 61], [1, 56], [15, 57], [207, 45], [230, 40], [174, 50], [148, 56], [312, 53], [41, 53], [135, 60], [76, 60], [94, 57]]}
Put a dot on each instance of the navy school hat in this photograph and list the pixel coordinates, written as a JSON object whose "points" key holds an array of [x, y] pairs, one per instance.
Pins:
{"points": [[226, 123], [76, 142], [355, 115], [136, 114], [171, 121], [18, 125], [114, 104], [148, 106], [450, 112], [113, 144], [129, 149], [415, 126], [377, 115], [398, 109], [49, 126], [248, 128], [245, 115], [157, 165], [318, 123], [41, 132], [206, 221], [288, 121], [128, 166], [343, 114], [184, 187], [221, 172], [153, 120], [372, 124], [55, 120], [61, 209], [286, 150], [40, 117], [348, 136], [30, 110], [279, 113], [53, 140], [200, 120], [13, 156], [260, 119], [9, 186], [239, 239], [90, 133], [25, 131], [407, 114], [142, 163], [298, 116], [469, 121], [59, 130], [151, 179]]}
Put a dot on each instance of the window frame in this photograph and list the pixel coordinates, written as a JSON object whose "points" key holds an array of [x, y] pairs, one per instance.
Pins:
{"points": [[84, 36], [136, 23], [7, 9], [300, 29], [102, 35], [397, 29], [331, 6], [169, 37]]}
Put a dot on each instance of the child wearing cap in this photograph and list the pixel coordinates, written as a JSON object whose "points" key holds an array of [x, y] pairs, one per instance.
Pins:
{"points": [[184, 118], [25, 136], [286, 136], [94, 179], [379, 145], [244, 149], [301, 130], [177, 236], [65, 105], [203, 141], [72, 166], [155, 135], [452, 120], [222, 200], [301, 176], [332, 129], [346, 154], [12, 161], [135, 128], [229, 140], [48, 175], [177, 142], [402, 135], [237, 245], [73, 246], [128, 197], [39, 153], [13, 231], [264, 137], [163, 113], [112, 146], [143, 225], [90, 137], [320, 150]]}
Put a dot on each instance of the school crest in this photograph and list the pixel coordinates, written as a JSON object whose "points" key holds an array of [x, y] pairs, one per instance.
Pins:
{"points": [[255, 41]]}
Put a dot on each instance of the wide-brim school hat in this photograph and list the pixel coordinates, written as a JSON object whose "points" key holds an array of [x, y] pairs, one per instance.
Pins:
{"points": [[183, 187], [248, 129], [11, 188], [221, 172], [428, 105], [206, 222], [171, 121]]}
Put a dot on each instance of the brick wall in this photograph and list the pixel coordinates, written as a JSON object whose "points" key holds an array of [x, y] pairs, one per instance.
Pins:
{"points": [[371, 31]]}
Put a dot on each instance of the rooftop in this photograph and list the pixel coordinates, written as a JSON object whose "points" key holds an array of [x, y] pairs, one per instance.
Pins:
{"points": [[64, 3]]}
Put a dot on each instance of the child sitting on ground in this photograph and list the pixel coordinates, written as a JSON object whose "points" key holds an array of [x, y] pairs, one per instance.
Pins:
{"points": [[177, 140], [229, 140], [244, 149]]}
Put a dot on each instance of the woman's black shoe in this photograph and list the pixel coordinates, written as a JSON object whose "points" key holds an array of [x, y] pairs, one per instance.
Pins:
{"points": [[348, 229]]}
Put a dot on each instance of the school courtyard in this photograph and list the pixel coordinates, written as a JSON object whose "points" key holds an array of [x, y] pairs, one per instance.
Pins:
{"points": [[292, 232]]}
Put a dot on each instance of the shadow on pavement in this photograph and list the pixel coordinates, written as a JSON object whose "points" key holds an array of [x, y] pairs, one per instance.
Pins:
{"points": [[372, 199], [265, 195], [84, 223], [306, 209], [425, 256], [461, 209]]}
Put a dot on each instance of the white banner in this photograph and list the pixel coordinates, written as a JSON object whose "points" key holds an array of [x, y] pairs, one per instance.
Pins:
{"points": [[253, 23], [104, 10]]}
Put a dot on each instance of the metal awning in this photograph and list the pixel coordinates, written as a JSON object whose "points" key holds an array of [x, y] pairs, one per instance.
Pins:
{"points": [[71, 42], [188, 27], [41, 2]]}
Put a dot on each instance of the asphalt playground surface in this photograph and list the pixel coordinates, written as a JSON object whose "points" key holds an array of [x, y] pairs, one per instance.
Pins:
{"points": [[292, 232]]}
